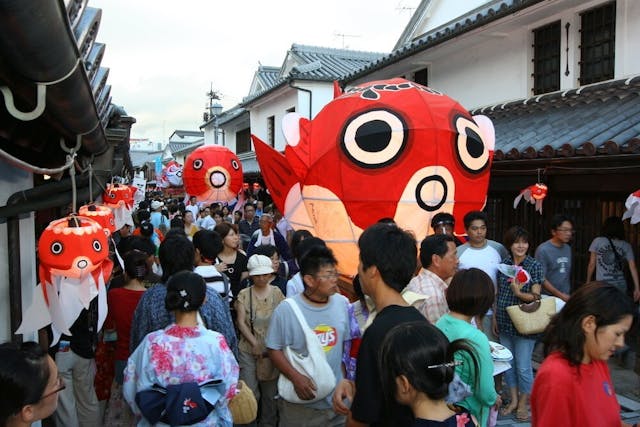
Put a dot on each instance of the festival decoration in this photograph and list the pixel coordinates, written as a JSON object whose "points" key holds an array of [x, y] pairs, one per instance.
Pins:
{"points": [[74, 269], [100, 214], [633, 207], [213, 174], [516, 272], [533, 194], [389, 148], [119, 198], [171, 175]]}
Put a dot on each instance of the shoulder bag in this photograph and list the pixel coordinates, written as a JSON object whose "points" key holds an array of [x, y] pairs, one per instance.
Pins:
{"points": [[532, 317], [624, 267], [265, 369], [314, 365]]}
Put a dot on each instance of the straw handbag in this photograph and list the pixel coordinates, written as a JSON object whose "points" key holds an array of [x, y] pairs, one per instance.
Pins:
{"points": [[533, 317], [243, 406]]}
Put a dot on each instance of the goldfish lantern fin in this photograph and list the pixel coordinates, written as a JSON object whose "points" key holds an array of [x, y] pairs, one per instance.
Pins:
{"points": [[337, 90], [487, 131], [516, 201], [633, 207], [278, 174], [539, 206], [296, 131], [37, 315]]}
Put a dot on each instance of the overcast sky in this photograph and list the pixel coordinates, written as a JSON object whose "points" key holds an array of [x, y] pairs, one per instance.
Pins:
{"points": [[164, 55]]}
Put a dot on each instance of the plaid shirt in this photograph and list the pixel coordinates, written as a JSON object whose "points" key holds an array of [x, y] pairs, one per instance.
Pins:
{"points": [[431, 285], [507, 298]]}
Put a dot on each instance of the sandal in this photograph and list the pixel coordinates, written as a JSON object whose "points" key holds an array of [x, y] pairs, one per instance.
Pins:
{"points": [[522, 415], [508, 409]]}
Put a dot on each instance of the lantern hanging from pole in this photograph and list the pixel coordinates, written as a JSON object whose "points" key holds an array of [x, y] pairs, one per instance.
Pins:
{"points": [[119, 198], [212, 174], [633, 207], [533, 194], [73, 254], [102, 215]]}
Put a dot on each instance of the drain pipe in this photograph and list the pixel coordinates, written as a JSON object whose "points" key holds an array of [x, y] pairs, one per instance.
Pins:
{"points": [[291, 85]]}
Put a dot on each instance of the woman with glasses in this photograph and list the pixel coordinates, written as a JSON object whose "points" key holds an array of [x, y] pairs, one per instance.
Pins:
{"points": [[29, 384]]}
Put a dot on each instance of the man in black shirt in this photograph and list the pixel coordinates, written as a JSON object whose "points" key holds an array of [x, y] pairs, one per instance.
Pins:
{"points": [[388, 258]]}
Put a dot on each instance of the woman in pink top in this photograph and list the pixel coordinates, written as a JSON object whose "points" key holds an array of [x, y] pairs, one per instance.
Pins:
{"points": [[573, 386]]}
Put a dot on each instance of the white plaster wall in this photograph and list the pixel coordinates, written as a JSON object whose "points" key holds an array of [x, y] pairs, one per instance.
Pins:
{"points": [[441, 12], [627, 38], [11, 181]]}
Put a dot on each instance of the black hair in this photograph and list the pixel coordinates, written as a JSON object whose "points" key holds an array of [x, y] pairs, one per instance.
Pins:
{"points": [[613, 228], [558, 219], [296, 238], [224, 228], [415, 350], [24, 374], [305, 245], [436, 244], [386, 220], [135, 264], [442, 218], [392, 250], [316, 258], [186, 292], [357, 287], [141, 244], [512, 235], [472, 216], [564, 333], [266, 250], [175, 231], [470, 292], [176, 222], [248, 205], [143, 215], [209, 243], [176, 253]]}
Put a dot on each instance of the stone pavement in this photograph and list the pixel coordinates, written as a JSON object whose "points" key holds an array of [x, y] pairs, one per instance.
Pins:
{"points": [[627, 386]]}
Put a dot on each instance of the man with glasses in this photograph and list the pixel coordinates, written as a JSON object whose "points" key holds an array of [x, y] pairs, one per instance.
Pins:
{"points": [[555, 257]]}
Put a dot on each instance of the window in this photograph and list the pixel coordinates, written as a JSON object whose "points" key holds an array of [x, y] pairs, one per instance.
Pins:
{"points": [[243, 141], [546, 58], [291, 110], [597, 44], [421, 77], [271, 130]]}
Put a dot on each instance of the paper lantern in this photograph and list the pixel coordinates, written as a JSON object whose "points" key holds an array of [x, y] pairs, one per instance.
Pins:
{"points": [[74, 269], [171, 175], [100, 214], [212, 174], [633, 207], [119, 198], [533, 194], [389, 148]]}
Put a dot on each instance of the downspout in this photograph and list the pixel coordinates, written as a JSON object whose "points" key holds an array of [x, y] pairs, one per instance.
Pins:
{"points": [[291, 85]]}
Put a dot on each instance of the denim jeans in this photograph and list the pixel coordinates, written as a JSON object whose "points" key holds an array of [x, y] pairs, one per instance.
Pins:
{"points": [[521, 374]]}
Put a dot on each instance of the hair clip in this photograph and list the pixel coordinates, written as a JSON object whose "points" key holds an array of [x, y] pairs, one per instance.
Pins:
{"points": [[183, 293], [186, 304], [446, 365]]}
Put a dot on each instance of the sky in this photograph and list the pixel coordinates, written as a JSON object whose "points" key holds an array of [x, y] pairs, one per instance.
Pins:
{"points": [[164, 55]]}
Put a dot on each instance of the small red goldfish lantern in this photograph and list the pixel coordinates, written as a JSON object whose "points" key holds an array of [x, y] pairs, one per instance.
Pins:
{"points": [[533, 194], [212, 174], [119, 198], [633, 207], [74, 269], [102, 215], [390, 148]]}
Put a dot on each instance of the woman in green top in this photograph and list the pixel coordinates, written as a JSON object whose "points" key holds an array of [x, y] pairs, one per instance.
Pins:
{"points": [[471, 293]]}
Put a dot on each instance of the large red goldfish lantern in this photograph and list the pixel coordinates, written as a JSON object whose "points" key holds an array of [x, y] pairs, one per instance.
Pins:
{"points": [[533, 194], [633, 207], [171, 175], [389, 148], [74, 269], [212, 174], [119, 198], [100, 214]]}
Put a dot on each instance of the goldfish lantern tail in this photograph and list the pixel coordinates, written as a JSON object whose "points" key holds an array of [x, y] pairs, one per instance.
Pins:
{"points": [[516, 201], [539, 206], [337, 90], [276, 171], [633, 207]]}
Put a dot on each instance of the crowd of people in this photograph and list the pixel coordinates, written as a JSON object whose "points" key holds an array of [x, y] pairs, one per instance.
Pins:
{"points": [[212, 300]]}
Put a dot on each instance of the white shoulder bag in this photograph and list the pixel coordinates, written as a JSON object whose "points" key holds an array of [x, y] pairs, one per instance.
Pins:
{"points": [[314, 365]]}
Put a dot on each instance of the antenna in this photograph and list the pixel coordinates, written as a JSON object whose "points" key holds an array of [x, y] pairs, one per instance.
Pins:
{"points": [[211, 107], [345, 36], [402, 8]]}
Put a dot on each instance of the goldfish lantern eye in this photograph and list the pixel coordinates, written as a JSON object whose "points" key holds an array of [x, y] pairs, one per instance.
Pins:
{"points": [[234, 164], [197, 164], [97, 246], [470, 149], [56, 248], [112, 195], [374, 139]]}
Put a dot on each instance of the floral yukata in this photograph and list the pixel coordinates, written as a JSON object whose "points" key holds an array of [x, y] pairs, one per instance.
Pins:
{"points": [[178, 355]]}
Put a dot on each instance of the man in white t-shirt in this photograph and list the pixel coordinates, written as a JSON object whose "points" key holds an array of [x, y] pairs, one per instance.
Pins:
{"points": [[193, 206], [482, 253]]}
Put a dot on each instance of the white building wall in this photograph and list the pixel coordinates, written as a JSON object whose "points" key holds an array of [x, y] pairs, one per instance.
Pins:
{"points": [[440, 12], [11, 181]]}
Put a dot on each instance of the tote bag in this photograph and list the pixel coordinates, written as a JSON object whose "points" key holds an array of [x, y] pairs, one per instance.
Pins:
{"points": [[314, 365], [532, 318]]}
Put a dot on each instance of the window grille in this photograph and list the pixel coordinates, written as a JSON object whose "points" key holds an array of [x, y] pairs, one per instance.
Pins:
{"points": [[597, 44], [546, 58]]}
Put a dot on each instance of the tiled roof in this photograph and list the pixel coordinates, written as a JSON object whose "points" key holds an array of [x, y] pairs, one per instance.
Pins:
{"points": [[268, 75], [476, 18], [183, 133], [318, 64], [179, 148], [602, 118]]}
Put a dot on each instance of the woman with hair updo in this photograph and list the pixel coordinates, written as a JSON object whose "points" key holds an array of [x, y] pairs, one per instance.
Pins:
{"points": [[29, 384], [573, 385], [417, 364], [184, 353]]}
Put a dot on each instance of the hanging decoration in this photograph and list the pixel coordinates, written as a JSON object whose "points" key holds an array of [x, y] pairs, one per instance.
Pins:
{"points": [[213, 174], [389, 148], [633, 207], [171, 175], [533, 194], [119, 198], [100, 214], [74, 267]]}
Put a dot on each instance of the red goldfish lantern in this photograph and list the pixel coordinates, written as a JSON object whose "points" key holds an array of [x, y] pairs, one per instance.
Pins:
{"points": [[633, 207], [119, 198], [74, 269], [100, 214], [389, 148], [533, 194], [213, 174]]}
